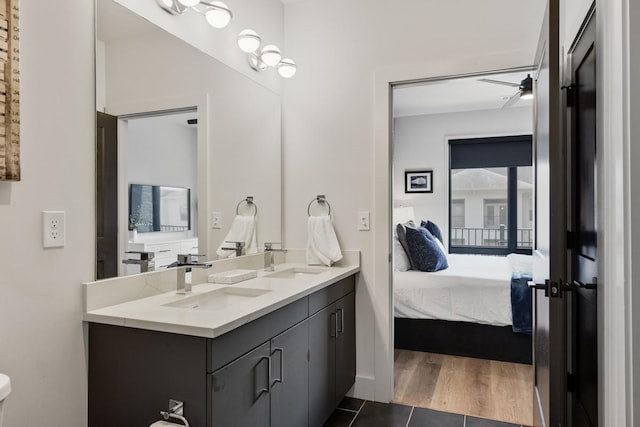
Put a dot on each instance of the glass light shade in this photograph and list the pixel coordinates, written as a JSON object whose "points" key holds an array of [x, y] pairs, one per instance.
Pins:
{"points": [[526, 95], [270, 55], [287, 68], [248, 41], [218, 14], [187, 3]]}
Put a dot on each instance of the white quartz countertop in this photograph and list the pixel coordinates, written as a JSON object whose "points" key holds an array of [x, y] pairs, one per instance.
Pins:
{"points": [[152, 313]]}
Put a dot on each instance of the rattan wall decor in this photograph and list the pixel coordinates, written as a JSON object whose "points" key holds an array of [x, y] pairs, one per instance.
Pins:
{"points": [[9, 91]]}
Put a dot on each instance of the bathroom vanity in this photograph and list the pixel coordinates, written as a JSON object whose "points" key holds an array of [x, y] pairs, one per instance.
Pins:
{"points": [[282, 356]]}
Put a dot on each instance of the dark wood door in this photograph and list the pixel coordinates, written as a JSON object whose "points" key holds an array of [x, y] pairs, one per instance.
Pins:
{"points": [[106, 196], [550, 259], [584, 256]]}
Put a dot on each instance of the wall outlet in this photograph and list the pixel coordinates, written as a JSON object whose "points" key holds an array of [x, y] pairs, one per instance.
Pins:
{"points": [[216, 220], [363, 221], [53, 229]]}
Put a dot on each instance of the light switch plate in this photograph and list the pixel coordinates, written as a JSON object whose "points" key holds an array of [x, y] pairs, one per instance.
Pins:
{"points": [[363, 221], [216, 219], [53, 229]]}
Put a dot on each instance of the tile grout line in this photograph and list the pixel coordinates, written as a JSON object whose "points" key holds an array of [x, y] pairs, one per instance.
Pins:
{"points": [[410, 415], [357, 413]]}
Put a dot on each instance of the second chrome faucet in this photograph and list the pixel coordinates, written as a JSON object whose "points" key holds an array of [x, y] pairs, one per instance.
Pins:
{"points": [[269, 261], [185, 264]]}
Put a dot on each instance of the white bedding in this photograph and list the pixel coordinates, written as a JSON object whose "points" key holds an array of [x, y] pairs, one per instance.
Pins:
{"points": [[475, 288]]}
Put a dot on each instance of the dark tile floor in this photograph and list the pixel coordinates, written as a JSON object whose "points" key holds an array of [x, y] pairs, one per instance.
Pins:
{"points": [[360, 413]]}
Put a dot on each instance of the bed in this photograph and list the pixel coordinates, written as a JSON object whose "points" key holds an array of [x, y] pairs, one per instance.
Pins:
{"points": [[467, 309]]}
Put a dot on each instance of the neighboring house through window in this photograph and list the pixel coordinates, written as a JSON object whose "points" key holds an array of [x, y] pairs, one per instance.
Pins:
{"points": [[491, 195]]}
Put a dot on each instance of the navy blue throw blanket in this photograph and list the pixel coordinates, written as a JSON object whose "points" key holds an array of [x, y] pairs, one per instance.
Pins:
{"points": [[521, 303]]}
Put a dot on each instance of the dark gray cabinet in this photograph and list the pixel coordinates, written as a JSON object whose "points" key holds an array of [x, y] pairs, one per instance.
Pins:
{"points": [[267, 386], [288, 368], [240, 391], [332, 363]]}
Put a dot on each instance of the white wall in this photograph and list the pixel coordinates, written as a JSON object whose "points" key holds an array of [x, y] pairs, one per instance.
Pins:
{"points": [[42, 346], [329, 126], [422, 142]]}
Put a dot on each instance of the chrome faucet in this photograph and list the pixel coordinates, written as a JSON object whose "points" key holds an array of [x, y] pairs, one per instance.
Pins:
{"points": [[268, 255], [239, 248], [145, 260], [185, 264]]}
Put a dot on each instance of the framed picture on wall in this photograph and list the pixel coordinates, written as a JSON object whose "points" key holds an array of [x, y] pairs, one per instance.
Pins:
{"points": [[418, 181]]}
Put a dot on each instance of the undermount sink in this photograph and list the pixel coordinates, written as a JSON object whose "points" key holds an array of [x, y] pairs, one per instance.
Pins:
{"points": [[219, 299], [295, 272]]}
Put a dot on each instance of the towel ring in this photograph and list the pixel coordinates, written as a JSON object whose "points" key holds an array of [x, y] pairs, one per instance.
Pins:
{"points": [[248, 201], [320, 199]]}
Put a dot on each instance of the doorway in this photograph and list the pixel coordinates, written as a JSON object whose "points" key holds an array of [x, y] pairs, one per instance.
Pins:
{"points": [[427, 115]]}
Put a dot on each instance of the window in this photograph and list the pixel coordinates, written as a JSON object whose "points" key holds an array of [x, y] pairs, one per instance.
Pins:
{"points": [[491, 195]]}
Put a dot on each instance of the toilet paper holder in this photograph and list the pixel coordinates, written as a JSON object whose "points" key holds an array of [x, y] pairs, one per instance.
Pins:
{"points": [[176, 411]]}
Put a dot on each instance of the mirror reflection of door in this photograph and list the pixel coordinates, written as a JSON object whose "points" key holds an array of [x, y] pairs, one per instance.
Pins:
{"points": [[106, 196]]}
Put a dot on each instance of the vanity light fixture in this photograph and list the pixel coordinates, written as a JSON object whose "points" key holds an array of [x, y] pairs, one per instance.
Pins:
{"points": [[215, 12], [269, 56]]}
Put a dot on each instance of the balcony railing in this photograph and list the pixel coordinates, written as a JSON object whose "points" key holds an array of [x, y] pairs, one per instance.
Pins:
{"points": [[490, 237]]}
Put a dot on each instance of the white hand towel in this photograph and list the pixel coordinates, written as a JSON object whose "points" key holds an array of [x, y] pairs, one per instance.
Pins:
{"points": [[243, 229], [322, 243]]}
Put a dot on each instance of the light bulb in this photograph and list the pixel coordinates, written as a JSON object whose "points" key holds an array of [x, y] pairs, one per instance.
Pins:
{"points": [[526, 95], [218, 14], [187, 3], [287, 68], [270, 55], [248, 41]]}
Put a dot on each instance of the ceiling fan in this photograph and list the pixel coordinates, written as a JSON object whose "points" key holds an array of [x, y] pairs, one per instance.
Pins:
{"points": [[525, 89]]}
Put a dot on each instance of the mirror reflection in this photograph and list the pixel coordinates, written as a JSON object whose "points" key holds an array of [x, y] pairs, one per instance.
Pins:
{"points": [[178, 118]]}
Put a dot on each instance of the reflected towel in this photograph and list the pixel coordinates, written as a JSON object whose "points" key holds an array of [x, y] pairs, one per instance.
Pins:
{"points": [[243, 229], [322, 243]]}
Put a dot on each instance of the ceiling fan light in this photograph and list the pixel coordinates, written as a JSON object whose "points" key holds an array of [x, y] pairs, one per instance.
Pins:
{"points": [[188, 3], [287, 68], [270, 55], [526, 88], [218, 14], [526, 95], [248, 41]]}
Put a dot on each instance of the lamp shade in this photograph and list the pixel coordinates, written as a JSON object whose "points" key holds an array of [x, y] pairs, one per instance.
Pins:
{"points": [[270, 55], [248, 41], [287, 68], [188, 3], [217, 14], [526, 88]]}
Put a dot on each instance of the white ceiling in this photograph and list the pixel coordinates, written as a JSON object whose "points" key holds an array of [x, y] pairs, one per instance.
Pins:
{"points": [[457, 95]]}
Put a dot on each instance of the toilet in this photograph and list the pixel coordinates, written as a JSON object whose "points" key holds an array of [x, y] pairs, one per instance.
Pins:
{"points": [[5, 389]]}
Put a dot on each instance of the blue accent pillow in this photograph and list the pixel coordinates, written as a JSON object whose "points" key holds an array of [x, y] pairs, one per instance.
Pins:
{"points": [[402, 237], [433, 229], [424, 251]]}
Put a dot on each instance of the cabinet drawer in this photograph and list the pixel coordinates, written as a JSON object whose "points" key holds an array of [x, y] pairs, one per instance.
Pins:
{"points": [[239, 341], [330, 294]]}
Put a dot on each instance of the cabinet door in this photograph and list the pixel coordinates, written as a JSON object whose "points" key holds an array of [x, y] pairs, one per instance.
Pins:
{"points": [[345, 345], [322, 365], [240, 391], [290, 378]]}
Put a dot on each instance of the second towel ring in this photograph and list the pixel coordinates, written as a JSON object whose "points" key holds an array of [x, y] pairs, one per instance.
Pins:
{"points": [[248, 201], [320, 199]]}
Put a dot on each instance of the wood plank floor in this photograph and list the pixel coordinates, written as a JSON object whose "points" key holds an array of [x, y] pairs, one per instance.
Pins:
{"points": [[483, 388]]}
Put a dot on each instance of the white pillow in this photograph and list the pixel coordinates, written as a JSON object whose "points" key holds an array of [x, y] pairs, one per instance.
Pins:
{"points": [[400, 258]]}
